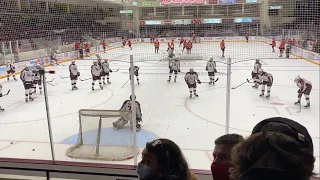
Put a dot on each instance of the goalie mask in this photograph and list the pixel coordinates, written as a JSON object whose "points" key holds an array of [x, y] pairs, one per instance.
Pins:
{"points": [[135, 97]]}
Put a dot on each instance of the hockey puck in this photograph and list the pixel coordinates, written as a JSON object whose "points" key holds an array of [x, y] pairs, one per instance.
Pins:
{"points": [[254, 114], [33, 149]]}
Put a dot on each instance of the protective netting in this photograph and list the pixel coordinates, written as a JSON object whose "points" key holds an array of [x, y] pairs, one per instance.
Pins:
{"points": [[98, 140]]}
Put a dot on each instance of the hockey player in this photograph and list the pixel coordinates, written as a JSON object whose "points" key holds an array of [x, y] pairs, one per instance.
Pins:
{"points": [[185, 42], [27, 78], [1, 109], [37, 79], [181, 41], [223, 47], [129, 44], [265, 79], [99, 60], [87, 48], [172, 45], [282, 46], [105, 71], [305, 88], [288, 50], [194, 38], [136, 73], [124, 43], [189, 47], [174, 66], [156, 46], [121, 122], [53, 58], [171, 54], [96, 74], [74, 74], [254, 73], [104, 45], [11, 69], [273, 44], [169, 47], [247, 37], [211, 68], [191, 78]]}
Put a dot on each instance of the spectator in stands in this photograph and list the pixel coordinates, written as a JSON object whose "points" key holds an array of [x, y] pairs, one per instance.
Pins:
{"points": [[278, 149], [162, 159], [221, 155]]}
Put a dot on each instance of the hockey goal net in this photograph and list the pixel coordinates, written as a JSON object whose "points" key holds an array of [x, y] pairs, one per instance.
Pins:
{"points": [[97, 139]]}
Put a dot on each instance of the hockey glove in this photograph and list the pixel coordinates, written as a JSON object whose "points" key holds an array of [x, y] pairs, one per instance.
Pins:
{"points": [[0, 94], [199, 82], [206, 68], [215, 71], [299, 91], [78, 74], [110, 70], [179, 70]]}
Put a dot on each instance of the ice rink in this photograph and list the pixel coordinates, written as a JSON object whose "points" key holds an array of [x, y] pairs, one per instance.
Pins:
{"points": [[167, 110]]}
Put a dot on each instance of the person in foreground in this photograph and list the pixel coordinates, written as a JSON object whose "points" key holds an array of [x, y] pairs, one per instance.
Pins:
{"points": [[162, 159], [278, 149], [221, 155]]}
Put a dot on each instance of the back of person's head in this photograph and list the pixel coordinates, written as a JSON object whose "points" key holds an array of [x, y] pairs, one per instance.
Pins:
{"points": [[278, 148], [165, 160], [221, 155]]}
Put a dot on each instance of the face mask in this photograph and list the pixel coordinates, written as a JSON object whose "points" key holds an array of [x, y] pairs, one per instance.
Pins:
{"points": [[220, 171], [143, 170]]}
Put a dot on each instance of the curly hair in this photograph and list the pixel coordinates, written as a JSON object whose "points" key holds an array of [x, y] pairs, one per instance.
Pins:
{"points": [[272, 149]]}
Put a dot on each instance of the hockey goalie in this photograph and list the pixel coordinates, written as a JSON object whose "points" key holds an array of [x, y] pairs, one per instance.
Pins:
{"points": [[121, 122]]}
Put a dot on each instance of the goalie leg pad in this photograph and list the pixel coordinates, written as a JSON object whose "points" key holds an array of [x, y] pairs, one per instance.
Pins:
{"points": [[120, 123]]}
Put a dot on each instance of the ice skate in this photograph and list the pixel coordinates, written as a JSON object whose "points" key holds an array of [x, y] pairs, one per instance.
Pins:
{"points": [[268, 96], [307, 106], [92, 89], [138, 83], [104, 83], [261, 95], [196, 94], [190, 95], [31, 99], [138, 127], [1, 109], [108, 82], [297, 103], [169, 80], [255, 86], [101, 87], [175, 79], [15, 79]]}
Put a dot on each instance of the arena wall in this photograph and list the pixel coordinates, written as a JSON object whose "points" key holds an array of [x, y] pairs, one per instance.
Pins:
{"points": [[116, 43]]}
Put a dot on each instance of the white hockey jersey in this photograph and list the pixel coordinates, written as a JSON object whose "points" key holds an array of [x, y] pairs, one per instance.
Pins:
{"points": [[256, 67], [191, 78], [105, 67], [302, 84], [10, 67], [36, 75], [136, 69], [26, 75], [211, 66], [266, 77], [95, 70], [174, 65], [73, 69], [127, 105]]}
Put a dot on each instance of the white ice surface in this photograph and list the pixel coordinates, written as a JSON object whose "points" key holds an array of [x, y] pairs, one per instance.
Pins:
{"points": [[168, 112]]}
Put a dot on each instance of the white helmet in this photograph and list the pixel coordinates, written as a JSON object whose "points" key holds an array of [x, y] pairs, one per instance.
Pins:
{"points": [[26, 66], [296, 79], [57, 51], [191, 69], [73, 61], [95, 62]]}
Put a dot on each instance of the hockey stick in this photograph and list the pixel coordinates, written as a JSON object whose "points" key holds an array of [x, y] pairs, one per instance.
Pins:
{"points": [[64, 77], [248, 80], [50, 81], [240, 84], [210, 81], [85, 79], [51, 84], [116, 70], [216, 80], [6, 93], [125, 83]]}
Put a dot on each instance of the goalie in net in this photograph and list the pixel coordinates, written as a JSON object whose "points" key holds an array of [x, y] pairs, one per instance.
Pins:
{"points": [[122, 121]]}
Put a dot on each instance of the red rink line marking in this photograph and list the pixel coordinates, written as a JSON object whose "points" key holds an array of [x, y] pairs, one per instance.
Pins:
{"points": [[270, 108]]}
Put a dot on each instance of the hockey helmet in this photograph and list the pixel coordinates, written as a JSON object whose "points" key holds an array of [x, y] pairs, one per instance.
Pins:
{"points": [[296, 79], [8, 62], [95, 62], [191, 70], [57, 51], [26, 66], [211, 59], [73, 61], [135, 97], [106, 60], [257, 60]]}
